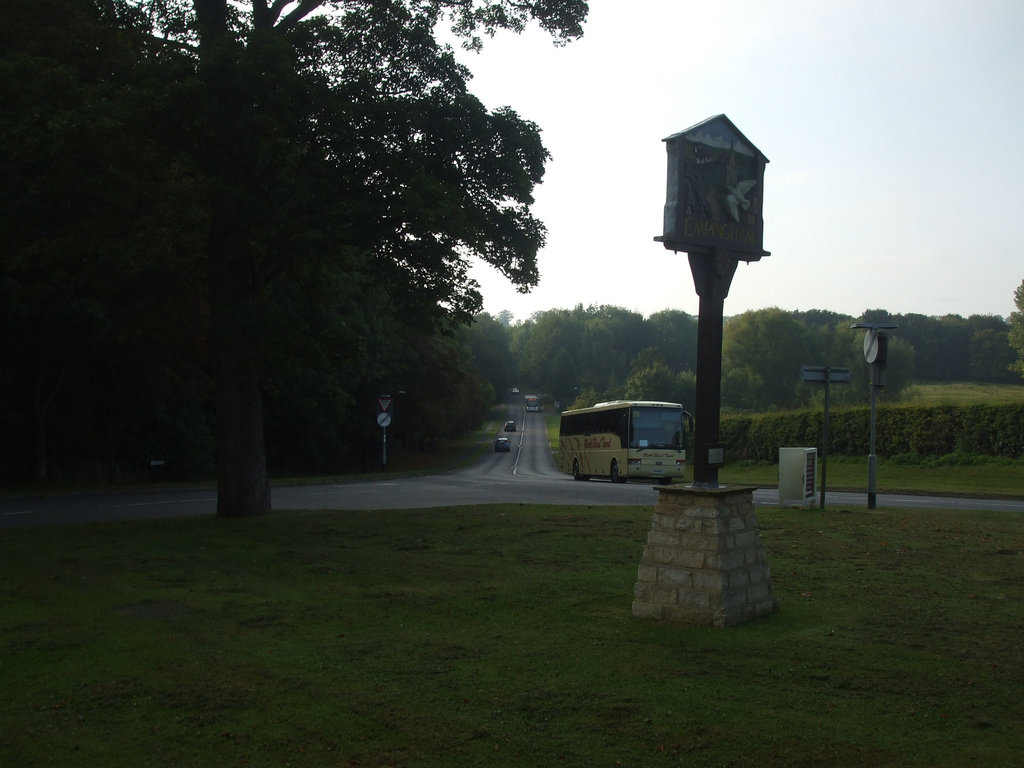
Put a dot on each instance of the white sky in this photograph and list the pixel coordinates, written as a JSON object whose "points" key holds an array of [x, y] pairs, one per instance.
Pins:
{"points": [[893, 131]]}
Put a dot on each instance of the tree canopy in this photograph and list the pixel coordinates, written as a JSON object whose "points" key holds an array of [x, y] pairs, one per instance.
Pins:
{"points": [[566, 352], [296, 180]]}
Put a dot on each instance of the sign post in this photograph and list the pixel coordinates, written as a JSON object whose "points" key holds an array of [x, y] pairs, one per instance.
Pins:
{"points": [[384, 421], [824, 375], [876, 345], [713, 213]]}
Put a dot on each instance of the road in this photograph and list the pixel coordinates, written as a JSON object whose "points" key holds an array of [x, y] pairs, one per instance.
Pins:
{"points": [[524, 475]]}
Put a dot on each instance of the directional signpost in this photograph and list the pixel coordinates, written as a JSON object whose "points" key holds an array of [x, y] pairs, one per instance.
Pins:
{"points": [[824, 375]]}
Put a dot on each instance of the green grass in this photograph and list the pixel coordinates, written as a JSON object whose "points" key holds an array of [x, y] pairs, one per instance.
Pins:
{"points": [[963, 393], [991, 477], [502, 636]]}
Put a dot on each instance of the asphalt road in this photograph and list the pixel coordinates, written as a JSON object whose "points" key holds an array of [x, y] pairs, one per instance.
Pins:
{"points": [[525, 475]]}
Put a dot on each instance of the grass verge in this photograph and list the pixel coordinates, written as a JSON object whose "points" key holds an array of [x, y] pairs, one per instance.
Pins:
{"points": [[982, 477], [502, 636]]}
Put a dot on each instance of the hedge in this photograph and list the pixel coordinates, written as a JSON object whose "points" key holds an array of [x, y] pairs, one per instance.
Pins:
{"points": [[986, 430]]}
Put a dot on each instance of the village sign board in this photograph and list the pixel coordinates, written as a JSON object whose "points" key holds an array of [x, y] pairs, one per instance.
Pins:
{"points": [[713, 213], [714, 196]]}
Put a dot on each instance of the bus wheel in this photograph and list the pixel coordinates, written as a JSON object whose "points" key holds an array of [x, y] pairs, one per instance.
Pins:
{"points": [[614, 471], [576, 471]]}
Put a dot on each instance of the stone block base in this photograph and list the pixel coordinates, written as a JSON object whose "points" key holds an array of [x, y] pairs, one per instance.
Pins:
{"points": [[704, 562]]}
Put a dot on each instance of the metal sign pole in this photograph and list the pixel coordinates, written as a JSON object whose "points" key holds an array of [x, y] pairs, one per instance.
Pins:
{"points": [[384, 421], [826, 375], [824, 445], [875, 353], [872, 458]]}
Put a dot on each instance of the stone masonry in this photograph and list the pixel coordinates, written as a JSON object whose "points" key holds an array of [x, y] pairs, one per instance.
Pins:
{"points": [[704, 563]]}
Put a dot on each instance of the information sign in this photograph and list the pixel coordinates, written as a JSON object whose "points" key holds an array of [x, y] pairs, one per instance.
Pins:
{"points": [[822, 374]]}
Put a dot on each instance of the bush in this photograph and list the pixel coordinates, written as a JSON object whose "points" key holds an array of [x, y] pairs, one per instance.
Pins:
{"points": [[902, 433]]}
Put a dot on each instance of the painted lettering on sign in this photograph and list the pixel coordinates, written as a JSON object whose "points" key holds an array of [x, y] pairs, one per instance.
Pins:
{"points": [[720, 230], [597, 442]]}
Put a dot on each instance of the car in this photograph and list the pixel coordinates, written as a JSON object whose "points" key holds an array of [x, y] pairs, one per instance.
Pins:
{"points": [[502, 444], [515, 390], [510, 426]]}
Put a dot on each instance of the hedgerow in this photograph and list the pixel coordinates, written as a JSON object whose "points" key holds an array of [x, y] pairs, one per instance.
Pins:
{"points": [[905, 431]]}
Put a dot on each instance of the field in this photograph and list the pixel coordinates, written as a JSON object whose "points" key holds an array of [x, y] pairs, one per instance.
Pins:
{"points": [[963, 393], [502, 636]]}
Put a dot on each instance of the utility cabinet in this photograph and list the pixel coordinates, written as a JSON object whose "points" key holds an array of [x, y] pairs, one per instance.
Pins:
{"points": [[798, 475]]}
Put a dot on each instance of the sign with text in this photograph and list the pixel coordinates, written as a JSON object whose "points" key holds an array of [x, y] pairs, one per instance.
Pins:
{"points": [[822, 374], [715, 191]]}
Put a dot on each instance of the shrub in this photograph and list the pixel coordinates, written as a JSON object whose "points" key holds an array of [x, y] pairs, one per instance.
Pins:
{"points": [[905, 434]]}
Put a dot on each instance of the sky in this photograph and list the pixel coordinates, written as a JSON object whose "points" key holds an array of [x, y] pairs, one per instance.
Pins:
{"points": [[894, 133]]}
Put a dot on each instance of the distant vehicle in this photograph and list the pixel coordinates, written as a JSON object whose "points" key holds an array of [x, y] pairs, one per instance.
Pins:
{"points": [[510, 426], [502, 444], [623, 439], [532, 403], [515, 390]]}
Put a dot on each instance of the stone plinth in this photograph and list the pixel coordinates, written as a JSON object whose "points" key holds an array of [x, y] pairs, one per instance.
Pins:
{"points": [[704, 563]]}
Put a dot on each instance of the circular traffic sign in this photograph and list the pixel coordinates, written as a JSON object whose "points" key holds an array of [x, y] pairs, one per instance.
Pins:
{"points": [[384, 419], [871, 345]]}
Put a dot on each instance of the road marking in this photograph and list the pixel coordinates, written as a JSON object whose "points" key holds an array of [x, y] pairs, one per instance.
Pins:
{"points": [[519, 450], [19, 512]]}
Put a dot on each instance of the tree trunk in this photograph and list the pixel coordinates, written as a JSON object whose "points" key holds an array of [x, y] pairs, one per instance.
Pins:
{"points": [[243, 489], [39, 441]]}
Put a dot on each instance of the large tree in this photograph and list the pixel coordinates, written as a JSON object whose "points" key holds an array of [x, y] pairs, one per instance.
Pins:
{"points": [[339, 137], [762, 352]]}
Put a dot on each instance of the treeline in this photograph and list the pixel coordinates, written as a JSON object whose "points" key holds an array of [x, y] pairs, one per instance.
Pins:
{"points": [[102, 407], [582, 355], [95, 391]]}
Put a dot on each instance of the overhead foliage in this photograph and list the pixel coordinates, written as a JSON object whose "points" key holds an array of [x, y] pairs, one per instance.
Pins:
{"points": [[99, 219], [297, 179]]}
